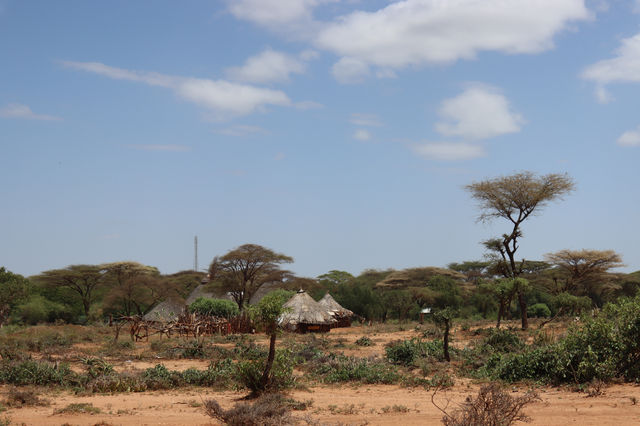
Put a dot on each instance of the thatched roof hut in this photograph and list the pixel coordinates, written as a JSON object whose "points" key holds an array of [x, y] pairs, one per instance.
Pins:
{"points": [[340, 314], [166, 311], [305, 314], [197, 292]]}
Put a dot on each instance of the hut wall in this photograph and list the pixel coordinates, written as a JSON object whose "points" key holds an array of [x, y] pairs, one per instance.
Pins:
{"points": [[313, 328], [343, 322]]}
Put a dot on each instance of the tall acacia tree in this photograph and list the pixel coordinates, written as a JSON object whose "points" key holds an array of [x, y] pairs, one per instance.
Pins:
{"points": [[134, 287], [82, 279], [515, 198], [584, 272], [245, 269]]}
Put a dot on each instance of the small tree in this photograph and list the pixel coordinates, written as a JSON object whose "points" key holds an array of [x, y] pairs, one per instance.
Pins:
{"points": [[267, 312], [243, 270], [14, 289], [515, 198], [446, 304]]}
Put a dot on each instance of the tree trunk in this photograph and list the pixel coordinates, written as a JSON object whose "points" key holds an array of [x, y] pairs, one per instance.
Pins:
{"points": [[264, 382], [500, 313], [86, 305], [446, 340], [523, 310]]}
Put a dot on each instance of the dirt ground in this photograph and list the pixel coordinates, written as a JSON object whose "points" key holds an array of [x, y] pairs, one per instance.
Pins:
{"points": [[332, 405], [373, 405]]}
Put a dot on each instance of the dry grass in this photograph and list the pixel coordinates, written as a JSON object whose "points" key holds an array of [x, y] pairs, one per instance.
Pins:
{"points": [[491, 407]]}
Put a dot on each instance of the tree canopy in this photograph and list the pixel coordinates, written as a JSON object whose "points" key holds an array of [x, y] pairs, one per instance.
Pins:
{"points": [[243, 270], [82, 279]]}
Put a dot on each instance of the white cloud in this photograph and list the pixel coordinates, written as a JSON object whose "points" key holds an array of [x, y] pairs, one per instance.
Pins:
{"points": [[350, 70], [305, 105], [23, 111], [623, 68], [171, 148], [241, 130], [447, 151], [478, 113], [362, 135], [266, 67], [370, 120], [630, 138], [223, 98], [291, 17], [415, 32]]}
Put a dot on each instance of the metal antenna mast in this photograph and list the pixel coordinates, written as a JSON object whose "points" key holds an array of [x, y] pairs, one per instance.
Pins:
{"points": [[195, 258]]}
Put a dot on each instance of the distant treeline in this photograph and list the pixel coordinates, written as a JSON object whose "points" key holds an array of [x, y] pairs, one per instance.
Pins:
{"points": [[566, 283]]}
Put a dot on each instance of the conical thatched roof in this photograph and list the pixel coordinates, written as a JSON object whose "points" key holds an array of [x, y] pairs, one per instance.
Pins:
{"points": [[166, 311], [302, 309], [197, 292], [333, 307]]}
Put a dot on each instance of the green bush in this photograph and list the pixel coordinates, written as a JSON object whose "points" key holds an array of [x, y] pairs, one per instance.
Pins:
{"points": [[159, 377], [407, 352], [219, 374], [603, 348], [214, 307], [539, 310], [340, 368], [501, 340], [38, 310], [364, 341], [32, 372]]}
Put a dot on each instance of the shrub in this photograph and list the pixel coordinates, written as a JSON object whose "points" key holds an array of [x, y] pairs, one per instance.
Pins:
{"points": [[249, 351], [340, 368], [159, 377], [491, 407], [32, 372], [602, 348], [219, 374], [249, 373], [364, 341], [267, 410], [407, 352], [539, 310], [97, 367], [79, 408], [214, 307], [23, 398], [503, 341]]}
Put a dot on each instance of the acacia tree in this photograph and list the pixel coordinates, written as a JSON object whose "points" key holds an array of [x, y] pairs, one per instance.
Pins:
{"points": [[134, 287], [583, 272], [245, 269], [515, 198], [82, 279]]}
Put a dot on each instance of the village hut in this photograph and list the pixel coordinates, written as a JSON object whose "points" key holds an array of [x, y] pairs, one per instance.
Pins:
{"points": [[200, 291], [340, 314], [305, 315], [165, 312]]}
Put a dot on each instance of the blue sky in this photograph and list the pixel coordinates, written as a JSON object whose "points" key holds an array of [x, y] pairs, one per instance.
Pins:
{"points": [[340, 133]]}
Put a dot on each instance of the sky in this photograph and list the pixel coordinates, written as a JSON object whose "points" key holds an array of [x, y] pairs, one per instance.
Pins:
{"points": [[341, 133]]}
